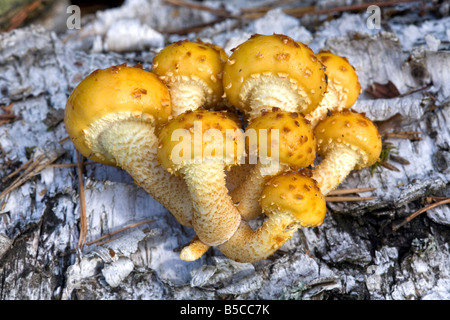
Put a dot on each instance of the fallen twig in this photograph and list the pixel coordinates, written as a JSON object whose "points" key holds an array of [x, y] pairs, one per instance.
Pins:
{"points": [[348, 191], [9, 115], [83, 222], [118, 231], [345, 199], [411, 135], [31, 168], [398, 225], [196, 28], [70, 165], [219, 12], [255, 13]]}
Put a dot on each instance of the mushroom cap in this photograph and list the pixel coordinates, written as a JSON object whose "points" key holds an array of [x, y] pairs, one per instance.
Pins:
{"points": [[200, 136], [275, 55], [297, 143], [353, 129], [296, 194], [192, 60], [342, 74], [131, 92]]}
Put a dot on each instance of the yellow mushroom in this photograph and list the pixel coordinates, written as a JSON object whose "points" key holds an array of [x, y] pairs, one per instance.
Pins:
{"points": [[273, 71], [112, 117], [193, 73], [281, 140], [346, 140], [290, 201], [343, 86], [200, 145]]}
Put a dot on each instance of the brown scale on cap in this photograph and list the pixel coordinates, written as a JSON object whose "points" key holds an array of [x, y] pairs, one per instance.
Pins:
{"points": [[346, 140], [192, 70], [112, 117]]}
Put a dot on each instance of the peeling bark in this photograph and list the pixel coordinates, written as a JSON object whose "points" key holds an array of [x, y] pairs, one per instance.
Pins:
{"points": [[355, 254]]}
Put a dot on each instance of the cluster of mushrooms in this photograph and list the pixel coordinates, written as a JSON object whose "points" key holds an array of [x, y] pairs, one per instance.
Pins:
{"points": [[136, 119]]}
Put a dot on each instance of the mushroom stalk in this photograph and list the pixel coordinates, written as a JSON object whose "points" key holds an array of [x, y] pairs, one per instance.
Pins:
{"points": [[211, 202], [133, 145], [248, 245], [340, 160], [247, 195]]}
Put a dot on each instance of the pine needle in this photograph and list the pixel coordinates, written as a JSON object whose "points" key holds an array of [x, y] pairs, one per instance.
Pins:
{"points": [[345, 199], [396, 226], [83, 220], [347, 191], [116, 232]]}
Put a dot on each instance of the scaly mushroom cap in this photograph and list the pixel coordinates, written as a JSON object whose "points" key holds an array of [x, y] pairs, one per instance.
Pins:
{"points": [[297, 195], [200, 136], [296, 141], [116, 92], [272, 58], [353, 129], [343, 85], [198, 62]]}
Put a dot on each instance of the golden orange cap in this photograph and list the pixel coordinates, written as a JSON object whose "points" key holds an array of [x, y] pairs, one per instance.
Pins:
{"points": [[295, 194], [276, 56], [200, 136], [342, 78], [296, 142], [197, 60], [115, 93], [352, 129]]}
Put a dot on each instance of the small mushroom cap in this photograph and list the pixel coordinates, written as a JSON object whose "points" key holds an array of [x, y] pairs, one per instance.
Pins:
{"points": [[275, 55], [297, 144], [196, 60], [341, 72], [353, 129], [200, 136], [107, 92], [296, 194]]}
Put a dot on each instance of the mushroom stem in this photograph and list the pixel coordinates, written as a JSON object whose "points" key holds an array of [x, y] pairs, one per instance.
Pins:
{"points": [[194, 250], [215, 219], [248, 245], [133, 145], [247, 195], [339, 161], [265, 92]]}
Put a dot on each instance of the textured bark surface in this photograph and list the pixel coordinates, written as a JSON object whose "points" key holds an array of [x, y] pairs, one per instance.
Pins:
{"points": [[355, 254]]}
